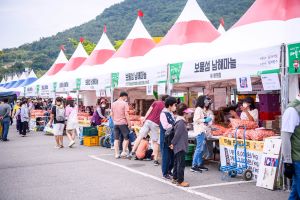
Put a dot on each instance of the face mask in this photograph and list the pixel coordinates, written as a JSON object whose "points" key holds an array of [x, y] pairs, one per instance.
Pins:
{"points": [[245, 105], [103, 105]]}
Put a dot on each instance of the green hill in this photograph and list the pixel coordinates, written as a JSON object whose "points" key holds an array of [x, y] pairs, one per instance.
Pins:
{"points": [[159, 16]]}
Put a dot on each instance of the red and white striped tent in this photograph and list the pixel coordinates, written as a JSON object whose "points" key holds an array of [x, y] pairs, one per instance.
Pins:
{"points": [[136, 45], [265, 24], [78, 57], [103, 51], [192, 28]]}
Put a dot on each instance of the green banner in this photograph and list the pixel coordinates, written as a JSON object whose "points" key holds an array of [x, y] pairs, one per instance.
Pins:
{"points": [[54, 86], [175, 70], [114, 80], [37, 89], [294, 58], [78, 84]]}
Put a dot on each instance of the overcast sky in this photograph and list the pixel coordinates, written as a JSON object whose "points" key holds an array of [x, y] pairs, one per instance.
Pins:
{"points": [[24, 21]]}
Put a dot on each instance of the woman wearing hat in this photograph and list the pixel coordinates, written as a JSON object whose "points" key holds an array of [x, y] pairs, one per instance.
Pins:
{"points": [[249, 111]]}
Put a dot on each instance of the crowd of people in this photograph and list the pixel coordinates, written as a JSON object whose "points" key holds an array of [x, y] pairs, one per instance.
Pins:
{"points": [[162, 138]]}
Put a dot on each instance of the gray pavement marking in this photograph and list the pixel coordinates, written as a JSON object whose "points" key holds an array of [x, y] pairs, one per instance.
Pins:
{"points": [[221, 184], [208, 197]]}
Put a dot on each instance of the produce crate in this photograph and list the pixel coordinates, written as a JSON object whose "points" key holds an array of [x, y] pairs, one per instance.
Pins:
{"points": [[90, 131], [91, 141], [102, 131]]}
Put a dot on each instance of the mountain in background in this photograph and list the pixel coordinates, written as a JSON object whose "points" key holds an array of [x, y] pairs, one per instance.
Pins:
{"points": [[159, 16]]}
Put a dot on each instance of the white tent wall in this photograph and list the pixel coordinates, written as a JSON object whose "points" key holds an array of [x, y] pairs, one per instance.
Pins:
{"points": [[293, 87], [89, 98]]}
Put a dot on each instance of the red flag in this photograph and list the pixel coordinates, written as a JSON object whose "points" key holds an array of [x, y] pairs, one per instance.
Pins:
{"points": [[222, 21], [81, 39], [62, 47], [104, 29], [140, 13]]}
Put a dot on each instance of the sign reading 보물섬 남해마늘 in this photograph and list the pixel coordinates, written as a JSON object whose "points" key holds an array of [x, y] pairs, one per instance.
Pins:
{"points": [[227, 66], [140, 77], [294, 58]]}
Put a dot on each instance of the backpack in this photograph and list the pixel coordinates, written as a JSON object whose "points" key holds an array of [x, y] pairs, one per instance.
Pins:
{"points": [[60, 114], [169, 135]]}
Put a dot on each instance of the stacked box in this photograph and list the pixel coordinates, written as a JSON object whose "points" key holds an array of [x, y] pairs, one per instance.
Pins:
{"points": [[90, 131], [91, 141]]}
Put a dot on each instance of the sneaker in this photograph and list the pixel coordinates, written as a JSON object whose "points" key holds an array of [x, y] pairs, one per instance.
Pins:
{"points": [[167, 177], [5, 140], [202, 168], [195, 169], [156, 163], [123, 155], [71, 144], [174, 181], [61, 146], [183, 184], [112, 148], [57, 147], [117, 156]]}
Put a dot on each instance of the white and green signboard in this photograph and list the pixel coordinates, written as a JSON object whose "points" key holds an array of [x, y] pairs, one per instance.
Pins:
{"points": [[140, 77], [226, 67], [294, 58]]}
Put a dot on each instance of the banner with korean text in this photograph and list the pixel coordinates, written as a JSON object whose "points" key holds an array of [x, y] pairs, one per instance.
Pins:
{"points": [[140, 77], [226, 67]]}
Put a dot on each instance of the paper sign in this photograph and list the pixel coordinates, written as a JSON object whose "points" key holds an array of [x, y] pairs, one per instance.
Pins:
{"points": [[149, 89], [244, 84], [220, 95], [102, 93], [161, 88], [270, 81]]}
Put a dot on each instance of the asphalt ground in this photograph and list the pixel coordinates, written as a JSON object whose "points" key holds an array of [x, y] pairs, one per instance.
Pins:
{"points": [[31, 168]]}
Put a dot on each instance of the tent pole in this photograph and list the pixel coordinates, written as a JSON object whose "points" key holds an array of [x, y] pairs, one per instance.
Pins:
{"points": [[168, 80], [284, 102]]}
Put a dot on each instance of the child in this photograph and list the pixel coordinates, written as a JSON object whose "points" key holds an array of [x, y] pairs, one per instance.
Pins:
{"points": [[143, 151], [180, 144]]}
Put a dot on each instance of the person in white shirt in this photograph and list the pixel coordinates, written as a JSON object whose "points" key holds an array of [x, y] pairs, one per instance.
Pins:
{"points": [[203, 119], [290, 135], [249, 111]]}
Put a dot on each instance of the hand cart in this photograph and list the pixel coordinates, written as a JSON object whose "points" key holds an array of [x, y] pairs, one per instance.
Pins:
{"points": [[238, 167]]}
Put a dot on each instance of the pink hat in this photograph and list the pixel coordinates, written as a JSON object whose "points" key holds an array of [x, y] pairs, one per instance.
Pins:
{"points": [[188, 110]]}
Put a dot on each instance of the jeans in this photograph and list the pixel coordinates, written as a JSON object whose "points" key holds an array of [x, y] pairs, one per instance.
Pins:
{"points": [[295, 193], [112, 137], [24, 126], [5, 127], [201, 141], [167, 159], [179, 165]]}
